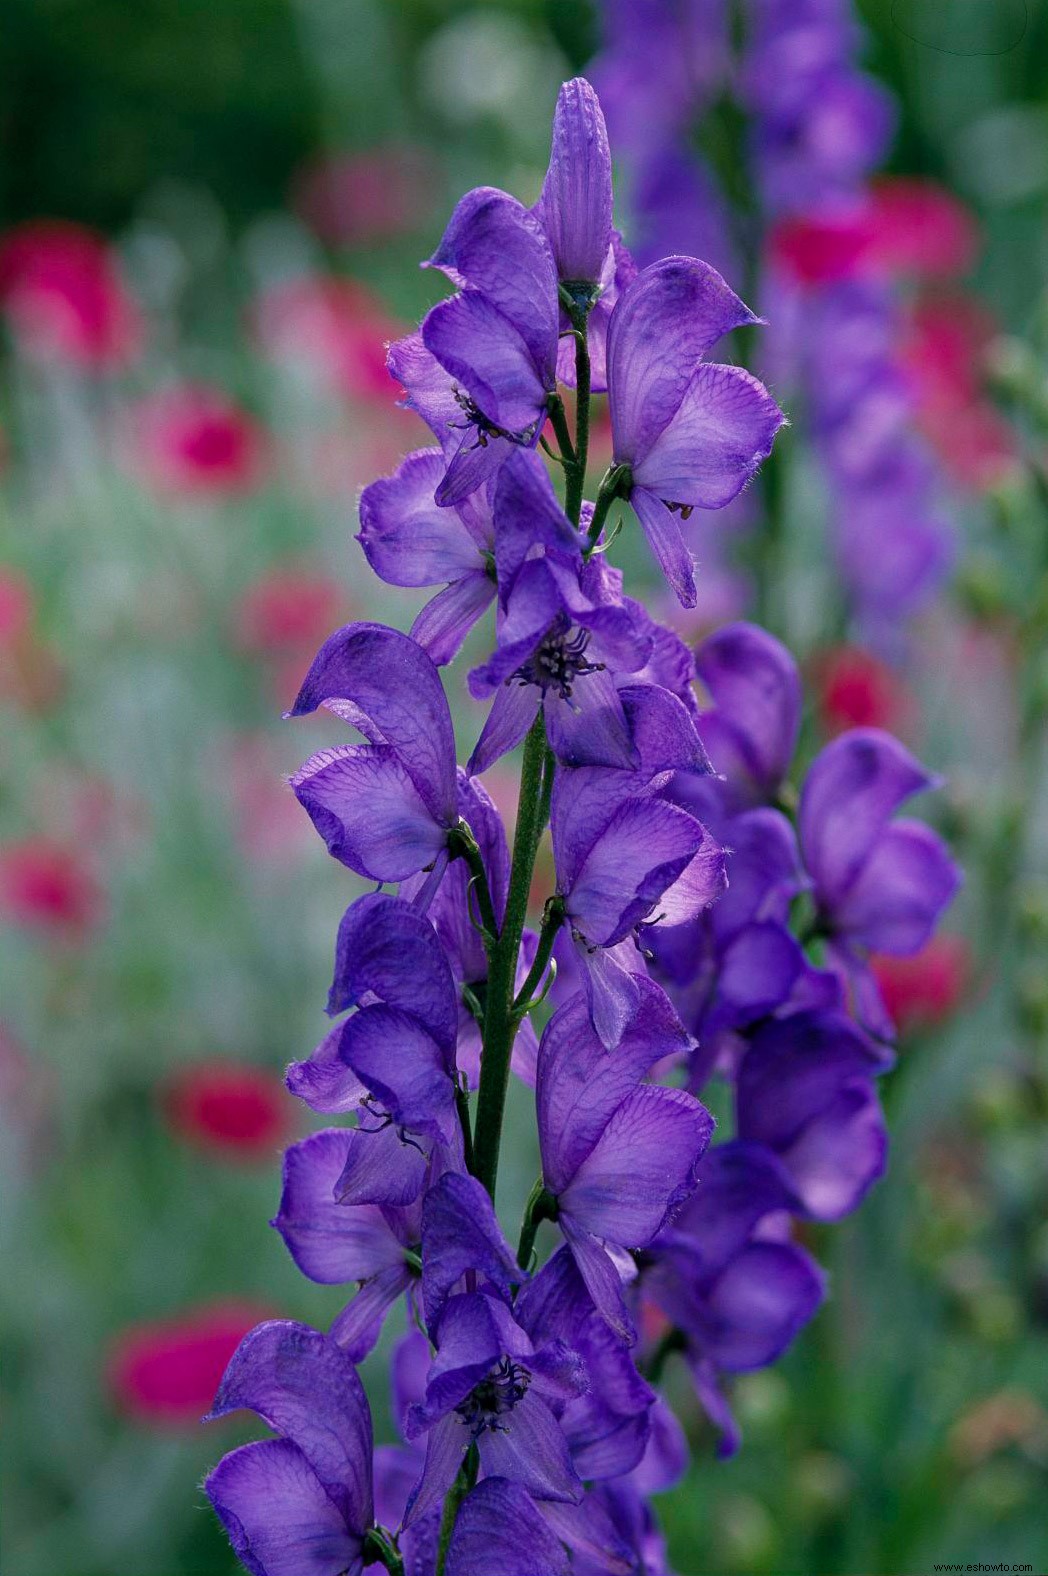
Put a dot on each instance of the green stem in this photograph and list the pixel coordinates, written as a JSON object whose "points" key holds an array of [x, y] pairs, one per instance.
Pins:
{"points": [[552, 920], [462, 1485], [462, 1107], [463, 845], [614, 485], [379, 1549], [575, 474], [541, 1206], [500, 1019], [559, 423]]}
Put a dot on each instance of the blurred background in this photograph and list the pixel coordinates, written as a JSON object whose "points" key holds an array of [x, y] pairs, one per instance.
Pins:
{"points": [[212, 215]]}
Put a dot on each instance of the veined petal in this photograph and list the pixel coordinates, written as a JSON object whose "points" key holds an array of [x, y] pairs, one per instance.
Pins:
{"points": [[324, 1081], [721, 431], [700, 883], [495, 245], [447, 618], [602, 1280], [473, 460], [278, 1517], [306, 1388], [331, 1243], [642, 1167], [408, 539], [488, 357], [901, 890], [499, 1529], [612, 990], [380, 1168], [528, 516], [385, 949], [359, 1325], [664, 323], [852, 789], [590, 729], [446, 1444], [403, 1067], [575, 206], [766, 1294], [460, 1232], [643, 849], [384, 684], [366, 807], [662, 529], [530, 1449], [429, 388]]}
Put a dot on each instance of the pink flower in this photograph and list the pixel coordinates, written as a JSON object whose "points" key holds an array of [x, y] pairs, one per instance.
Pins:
{"points": [[350, 198], [194, 442], [925, 989], [166, 1372], [920, 229], [856, 690], [64, 296], [820, 250], [231, 1109], [943, 359], [268, 823], [287, 609], [336, 326], [16, 607], [47, 887]]}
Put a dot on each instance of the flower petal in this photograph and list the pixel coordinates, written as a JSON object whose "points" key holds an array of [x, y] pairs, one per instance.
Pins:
{"points": [[643, 849], [384, 684], [499, 1529], [386, 949], [590, 729], [575, 206], [331, 1243], [530, 1449], [403, 1067], [278, 1517], [488, 356], [901, 890], [364, 804], [512, 713], [359, 1325], [721, 431], [408, 539], [460, 1232], [324, 1081], [768, 1292], [664, 323], [851, 791], [306, 1388], [447, 619], [755, 686], [662, 528]]}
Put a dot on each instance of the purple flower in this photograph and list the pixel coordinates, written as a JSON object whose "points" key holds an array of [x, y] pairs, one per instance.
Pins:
{"points": [[880, 884], [334, 1242], [384, 808], [690, 433], [308, 1491], [499, 1529], [410, 540], [805, 1090], [575, 206], [624, 861], [618, 1156], [498, 337], [562, 633], [751, 730], [489, 1386], [399, 1045]]}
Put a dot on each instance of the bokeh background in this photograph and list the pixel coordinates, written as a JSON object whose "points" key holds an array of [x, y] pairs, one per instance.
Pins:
{"points": [[212, 215]]}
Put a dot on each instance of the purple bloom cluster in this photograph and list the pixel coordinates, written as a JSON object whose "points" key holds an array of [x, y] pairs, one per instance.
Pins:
{"points": [[532, 1434], [818, 127]]}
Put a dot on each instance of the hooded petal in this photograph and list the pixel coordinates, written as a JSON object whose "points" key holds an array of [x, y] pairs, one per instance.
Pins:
{"points": [[387, 950], [661, 526], [721, 431], [580, 1084], [767, 1293], [384, 684], [755, 686], [493, 244], [602, 1280], [575, 206], [643, 849], [612, 990], [852, 789], [839, 1155], [364, 804], [380, 1168], [901, 890], [405, 1070], [460, 1232], [664, 323], [306, 1388], [331, 1243], [642, 1167], [499, 1529], [278, 1517], [492, 361], [591, 728], [447, 618], [324, 1081], [739, 1183], [408, 539], [528, 518]]}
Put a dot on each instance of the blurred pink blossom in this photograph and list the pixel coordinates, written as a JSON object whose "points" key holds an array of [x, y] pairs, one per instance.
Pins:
{"points": [[353, 197], [165, 1372], [192, 441], [64, 295], [943, 357], [925, 989], [920, 229], [855, 689], [231, 1109], [268, 823], [287, 608], [49, 887], [336, 326]]}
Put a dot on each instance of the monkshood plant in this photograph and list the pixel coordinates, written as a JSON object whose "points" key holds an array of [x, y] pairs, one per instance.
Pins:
{"points": [[697, 928]]}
